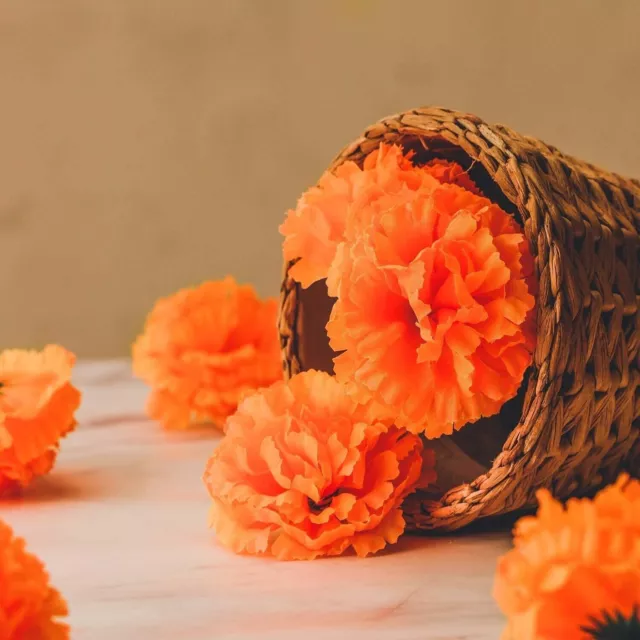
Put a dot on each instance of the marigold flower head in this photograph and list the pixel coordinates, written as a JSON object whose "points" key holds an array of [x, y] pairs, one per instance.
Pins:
{"points": [[204, 348], [434, 307], [572, 565], [30, 609], [303, 472], [317, 225], [37, 406], [448, 172]]}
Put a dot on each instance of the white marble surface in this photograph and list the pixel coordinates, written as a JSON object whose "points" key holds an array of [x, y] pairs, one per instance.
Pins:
{"points": [[121, 524]]}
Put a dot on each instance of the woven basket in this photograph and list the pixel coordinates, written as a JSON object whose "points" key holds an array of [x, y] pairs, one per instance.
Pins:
{"points": [[575, 423]]}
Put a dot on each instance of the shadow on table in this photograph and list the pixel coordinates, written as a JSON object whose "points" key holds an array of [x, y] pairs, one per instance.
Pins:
{"points": [[485, 527], [494, 524], [60, 487]]}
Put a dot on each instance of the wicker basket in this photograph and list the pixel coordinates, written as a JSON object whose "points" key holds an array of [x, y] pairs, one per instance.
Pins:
{"points": [[575, 423]]}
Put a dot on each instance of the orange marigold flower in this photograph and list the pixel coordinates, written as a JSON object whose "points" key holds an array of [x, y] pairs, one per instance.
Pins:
{"points": [[303, 472], [571, 566], [434, 308], [37, 406], [448, 172], [30, 609], [204, 348], [317, 225]]}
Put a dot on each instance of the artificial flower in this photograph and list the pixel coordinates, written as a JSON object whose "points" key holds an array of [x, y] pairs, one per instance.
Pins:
{"points": [[316, 226], [448, 172], [304, 472], [203, 349], [574, 570], [30, 608], [434, 319], [37, 405]]}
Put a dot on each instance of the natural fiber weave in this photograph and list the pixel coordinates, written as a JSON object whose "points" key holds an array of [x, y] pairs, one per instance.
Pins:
{"points": [[579, 411]]}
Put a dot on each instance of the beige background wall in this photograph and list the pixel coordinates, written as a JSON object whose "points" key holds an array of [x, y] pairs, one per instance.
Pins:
{"points": [[146, 145]]}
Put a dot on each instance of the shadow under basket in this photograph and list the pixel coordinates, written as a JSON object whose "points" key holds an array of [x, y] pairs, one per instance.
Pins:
{"points": [[575, 423]]}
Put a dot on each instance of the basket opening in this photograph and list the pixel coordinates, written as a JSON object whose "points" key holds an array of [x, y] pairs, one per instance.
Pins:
{"points": [[468, 453]]}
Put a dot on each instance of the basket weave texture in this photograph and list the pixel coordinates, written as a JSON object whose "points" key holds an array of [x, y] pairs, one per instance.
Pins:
{"points": [[579, 424]]}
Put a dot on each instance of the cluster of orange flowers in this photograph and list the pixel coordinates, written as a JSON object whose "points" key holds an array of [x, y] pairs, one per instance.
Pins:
{"points": [[434, 286], [303, 470], [37, 406]]}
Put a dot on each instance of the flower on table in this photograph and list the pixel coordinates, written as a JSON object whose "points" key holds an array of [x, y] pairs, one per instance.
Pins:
{"points": [[574, 572], [30, 608], [204, 348], [304, 472], [37, 406]]}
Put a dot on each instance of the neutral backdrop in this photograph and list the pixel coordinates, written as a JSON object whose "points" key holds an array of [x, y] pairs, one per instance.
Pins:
{"points": [[147, 145]]}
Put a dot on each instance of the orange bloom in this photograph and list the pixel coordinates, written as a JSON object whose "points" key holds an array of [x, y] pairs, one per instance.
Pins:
{"points": [[203, 349], [302, 472], [29, 607], [316, 226], [434, 311], [451, 173], [571, 566], [37, 403]]}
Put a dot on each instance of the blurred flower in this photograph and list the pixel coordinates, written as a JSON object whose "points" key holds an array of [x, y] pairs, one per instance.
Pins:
{"points": [[37, 405], [30, 609], [575, 570], [317, 225], [303, 472], [203, 349], [434, 318]]}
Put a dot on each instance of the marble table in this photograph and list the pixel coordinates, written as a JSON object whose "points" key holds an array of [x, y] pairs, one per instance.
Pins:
{"points": [[122, 525]]}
